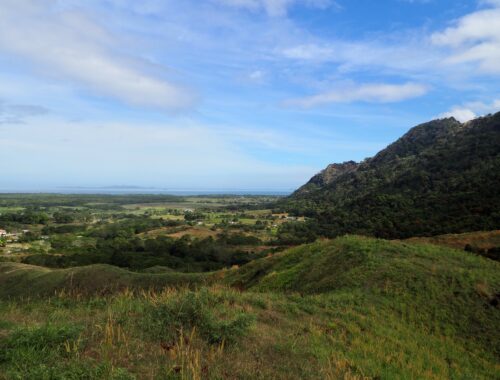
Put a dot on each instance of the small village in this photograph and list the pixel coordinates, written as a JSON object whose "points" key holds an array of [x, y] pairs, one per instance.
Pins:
{"points": [[11, 236]]}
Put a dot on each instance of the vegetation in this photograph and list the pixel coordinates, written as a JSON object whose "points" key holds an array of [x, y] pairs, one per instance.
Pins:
{"points": [[349, 308], [484, 243], [441, 177], [191, 234], [264, 287], [22, 280]]}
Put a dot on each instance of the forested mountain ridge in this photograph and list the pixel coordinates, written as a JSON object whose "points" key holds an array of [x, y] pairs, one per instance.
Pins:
{"points": [[440, 177]]}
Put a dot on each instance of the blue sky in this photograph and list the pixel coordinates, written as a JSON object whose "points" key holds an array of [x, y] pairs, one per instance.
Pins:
{"points": [[229, 94]]}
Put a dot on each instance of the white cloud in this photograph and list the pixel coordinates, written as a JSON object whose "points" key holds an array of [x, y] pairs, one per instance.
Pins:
{"points": [[408, 55], [67, 44], [372, 93], [275, 7], [257, 76], [475, 38], [310, 52], [484, 108], [459, 113], [470, 46], [472, 110]]}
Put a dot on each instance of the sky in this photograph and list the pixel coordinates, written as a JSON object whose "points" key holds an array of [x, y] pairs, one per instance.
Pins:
{"points": [[208, 95]]}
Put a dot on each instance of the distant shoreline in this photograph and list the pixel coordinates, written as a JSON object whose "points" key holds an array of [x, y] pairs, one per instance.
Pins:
{"points": [[143, 191]]}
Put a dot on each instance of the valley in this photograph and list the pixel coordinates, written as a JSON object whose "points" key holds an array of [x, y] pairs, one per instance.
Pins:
{"points": [[386, 269], [207, 288], [184, 233]]}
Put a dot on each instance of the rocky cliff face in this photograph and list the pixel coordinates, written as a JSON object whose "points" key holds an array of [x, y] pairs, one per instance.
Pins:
{"points": [[333, 171], [328, 176]]}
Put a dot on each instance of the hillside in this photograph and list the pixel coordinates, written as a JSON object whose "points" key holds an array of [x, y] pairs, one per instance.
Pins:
{"points": [[434, 283], [484, 243], [347, 308], [23, 280], [440, 177]]}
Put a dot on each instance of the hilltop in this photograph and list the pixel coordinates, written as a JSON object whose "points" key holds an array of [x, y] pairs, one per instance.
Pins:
{"points": [[440, 177], [23, 280]]}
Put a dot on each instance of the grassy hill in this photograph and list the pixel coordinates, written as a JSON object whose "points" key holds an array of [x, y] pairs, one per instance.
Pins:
{"points": [[440, 177], [23, 280], [347, 308]]}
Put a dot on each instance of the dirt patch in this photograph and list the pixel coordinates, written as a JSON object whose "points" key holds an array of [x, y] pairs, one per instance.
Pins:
{"points": [[198, 232]]}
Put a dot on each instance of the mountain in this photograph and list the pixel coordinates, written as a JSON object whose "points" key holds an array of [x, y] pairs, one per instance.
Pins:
{"points": [[440, 177]]}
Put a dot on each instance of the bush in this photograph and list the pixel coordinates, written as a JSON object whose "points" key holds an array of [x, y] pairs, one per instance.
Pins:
{"points": [[31, 343], [194, 310], [291, 233], [29, 237], [31, 353], [48, 352]]}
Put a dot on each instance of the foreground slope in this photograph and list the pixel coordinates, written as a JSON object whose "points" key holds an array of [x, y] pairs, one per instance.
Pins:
{"points": [[352, 308], [440, 177], [427, 284]]}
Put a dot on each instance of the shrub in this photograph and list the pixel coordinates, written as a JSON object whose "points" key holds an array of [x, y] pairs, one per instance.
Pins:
{"points": [[194, 310], [37, 342], [51, 352]]}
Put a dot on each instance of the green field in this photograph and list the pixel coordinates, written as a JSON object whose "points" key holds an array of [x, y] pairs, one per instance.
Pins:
{"points": [[191, 234]]}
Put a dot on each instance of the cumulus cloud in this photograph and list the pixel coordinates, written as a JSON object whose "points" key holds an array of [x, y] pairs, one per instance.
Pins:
{"points": [[275, 7], [67, 44], [371, 93], [462, 114], [472, 110], [470, 42], [474, 38]]}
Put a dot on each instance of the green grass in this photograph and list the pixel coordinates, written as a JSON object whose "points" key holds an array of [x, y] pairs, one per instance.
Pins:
{"points": [[22, 280], [454, 290], [479, 239], [349, 308], [50, 352]]}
